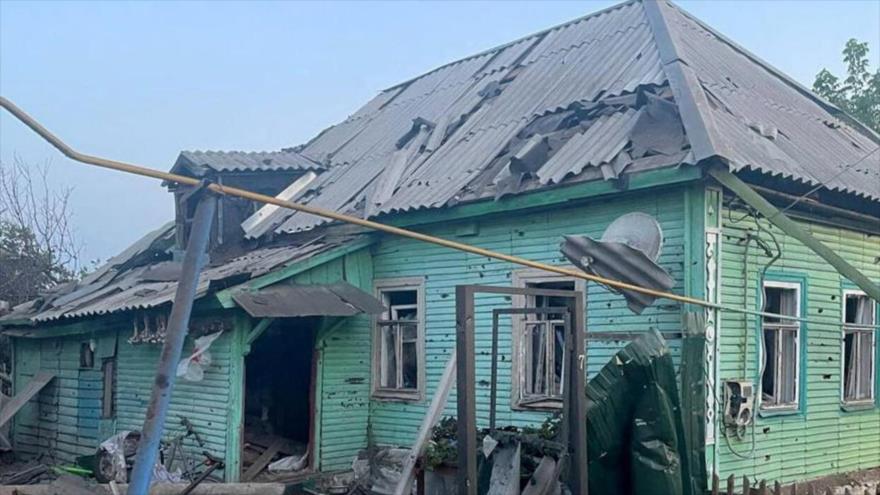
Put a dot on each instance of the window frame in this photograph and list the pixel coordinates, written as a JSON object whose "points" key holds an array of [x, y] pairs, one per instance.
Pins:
{"points": [[794, 406], [849, 327], [522, 279], [380, 287], [108, 390]]}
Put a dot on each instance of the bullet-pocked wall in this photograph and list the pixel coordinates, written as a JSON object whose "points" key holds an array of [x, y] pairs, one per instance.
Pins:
{"points": [[535, 236], [820, 435]]}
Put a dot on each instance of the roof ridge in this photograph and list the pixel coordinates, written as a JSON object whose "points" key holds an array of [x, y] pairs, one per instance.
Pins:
{"points": [[502, 46], [827, 105]]}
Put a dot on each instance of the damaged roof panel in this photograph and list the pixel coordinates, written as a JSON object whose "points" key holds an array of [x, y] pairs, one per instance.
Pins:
{"points": [[781, 128], [599, 144], [288, 300], [131, 288], [200, 163]]}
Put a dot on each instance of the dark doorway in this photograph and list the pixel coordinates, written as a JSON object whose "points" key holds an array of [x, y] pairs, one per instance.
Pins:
{"points": [[278, 397]]}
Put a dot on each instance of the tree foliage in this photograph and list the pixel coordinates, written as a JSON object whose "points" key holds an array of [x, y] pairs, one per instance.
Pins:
{"points": [[37, 246], [859, 92]]}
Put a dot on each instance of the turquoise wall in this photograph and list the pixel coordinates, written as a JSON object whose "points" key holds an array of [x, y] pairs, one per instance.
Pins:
{"points": [[821, 438], [535, 236]]}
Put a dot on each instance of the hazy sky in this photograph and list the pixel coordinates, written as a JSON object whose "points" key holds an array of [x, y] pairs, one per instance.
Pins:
{"points": [[141, 81]]}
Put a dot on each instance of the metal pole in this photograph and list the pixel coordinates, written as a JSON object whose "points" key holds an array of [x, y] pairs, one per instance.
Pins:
{"points": [[178, 322]]}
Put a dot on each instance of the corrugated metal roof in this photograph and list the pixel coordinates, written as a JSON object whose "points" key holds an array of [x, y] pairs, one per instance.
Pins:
{"points": [[199, 163], [595, 57], [761, 119], [122, 287], [287, 300]]}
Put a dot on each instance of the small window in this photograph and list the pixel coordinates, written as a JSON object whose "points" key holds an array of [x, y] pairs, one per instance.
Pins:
{"points": [[108, 392], [859, 318], [399, 366], [539, 342], [781, 347], [86, 355]]}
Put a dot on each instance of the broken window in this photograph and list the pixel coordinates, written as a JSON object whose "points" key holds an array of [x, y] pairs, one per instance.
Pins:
{"points": [[398, 341], [87, 355], [859, 317], [781, 346], [108, 393], [540, 341]]}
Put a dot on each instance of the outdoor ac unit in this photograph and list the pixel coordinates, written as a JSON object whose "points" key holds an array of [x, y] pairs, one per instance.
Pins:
{"points": [[739, 402]]}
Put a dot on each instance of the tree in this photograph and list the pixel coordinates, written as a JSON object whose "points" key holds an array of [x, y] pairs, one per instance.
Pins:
{"points": [[859, 93], [37, 246]]}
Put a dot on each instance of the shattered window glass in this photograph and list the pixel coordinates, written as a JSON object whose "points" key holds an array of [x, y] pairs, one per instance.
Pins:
{"points": [[779, 378], [859, 316], [399, 341], [543, 344]]}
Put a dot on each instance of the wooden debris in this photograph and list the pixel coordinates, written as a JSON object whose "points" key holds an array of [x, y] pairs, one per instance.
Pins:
{"points": [[543, 479], [31, 389], [264, 460]]}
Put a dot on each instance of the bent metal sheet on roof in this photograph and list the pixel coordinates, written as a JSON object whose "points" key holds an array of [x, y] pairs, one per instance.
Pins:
{"points": [[288, 300], [134, 281], [475, 110]]}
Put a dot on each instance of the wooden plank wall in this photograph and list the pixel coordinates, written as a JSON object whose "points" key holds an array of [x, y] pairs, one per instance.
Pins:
{"points": [[534, 236], [343, 368], [64, 419], [822, 439]]}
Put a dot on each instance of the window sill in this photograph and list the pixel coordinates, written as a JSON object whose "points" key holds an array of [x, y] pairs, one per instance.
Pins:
{"points": [[779, 411], [397, 396], [857, 406]]}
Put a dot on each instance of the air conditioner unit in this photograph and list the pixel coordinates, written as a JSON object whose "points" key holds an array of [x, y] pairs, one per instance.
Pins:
{"points": [[739, 402]]}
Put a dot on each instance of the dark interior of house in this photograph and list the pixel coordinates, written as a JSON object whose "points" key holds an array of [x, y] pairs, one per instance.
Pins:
{"points": [[278, 381]]}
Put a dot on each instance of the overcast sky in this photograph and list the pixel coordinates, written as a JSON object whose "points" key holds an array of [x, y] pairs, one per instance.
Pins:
{"points": [[141, 81]]}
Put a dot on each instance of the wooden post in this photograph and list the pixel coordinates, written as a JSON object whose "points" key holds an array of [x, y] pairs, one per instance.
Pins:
{"points": [[577, 420], [715, 483], [777, 488], [762, 488], [794, 488], [747, 487], [731, 485], [467, 410]]}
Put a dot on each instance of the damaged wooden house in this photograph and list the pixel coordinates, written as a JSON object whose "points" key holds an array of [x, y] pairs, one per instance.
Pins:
{"points": [[330, 339]]}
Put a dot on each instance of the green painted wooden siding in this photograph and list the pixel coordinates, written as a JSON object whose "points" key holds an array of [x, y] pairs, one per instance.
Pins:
{"points": [[823, 439], [534, 236], [206, 403], [64, 419], [343, 371]]}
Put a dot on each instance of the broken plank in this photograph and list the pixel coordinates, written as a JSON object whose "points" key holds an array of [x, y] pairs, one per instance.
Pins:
{"points": [[407, 475], [264, 459], [30, 390], [543, 478]]}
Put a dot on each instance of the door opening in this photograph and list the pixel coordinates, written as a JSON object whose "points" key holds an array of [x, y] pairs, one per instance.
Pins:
{"points": [[279, 384]]}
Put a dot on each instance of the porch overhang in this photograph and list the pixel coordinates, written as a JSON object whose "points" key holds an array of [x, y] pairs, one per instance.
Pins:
{"points": [[290, 300]]}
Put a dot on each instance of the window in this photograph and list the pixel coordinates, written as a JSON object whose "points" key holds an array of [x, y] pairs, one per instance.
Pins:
{"points": [[781, 347], [398, 341], [539, 342], [108, 392], [86, 355], [859, 318]]}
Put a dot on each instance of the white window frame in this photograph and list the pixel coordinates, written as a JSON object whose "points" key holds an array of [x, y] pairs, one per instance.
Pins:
{"points": [[849, 327], [522, 279], [395, 394], [794, 406]]}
